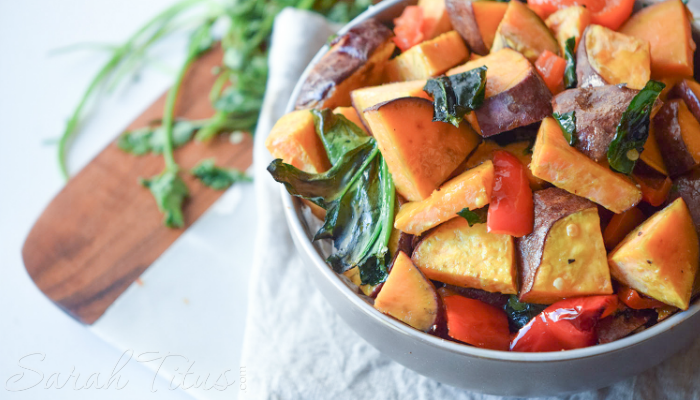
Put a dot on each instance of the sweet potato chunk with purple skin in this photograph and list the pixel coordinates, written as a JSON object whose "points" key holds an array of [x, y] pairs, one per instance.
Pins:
{"points": [[687, 186], [666, 26], [678, 136], [689, 91], [515, 94], [476, 21], [622, 324], [409, 296], [471, 189], [365, 98], [419, 152], [355, 59], [606, 57], [428, 59], [564, 256], [568, 22], [598, 112], [660, 257], [468, 256], [565, 167], [522, 30]]}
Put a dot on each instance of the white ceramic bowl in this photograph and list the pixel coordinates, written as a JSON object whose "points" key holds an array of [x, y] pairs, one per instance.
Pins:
{"points": [[481, 370]]}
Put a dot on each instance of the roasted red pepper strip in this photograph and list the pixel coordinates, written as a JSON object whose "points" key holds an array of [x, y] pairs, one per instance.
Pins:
{"points": [[565, 325], [477, 323], [633, 299], [408, 28], [609, 13], [511, 209], [551, 68]]}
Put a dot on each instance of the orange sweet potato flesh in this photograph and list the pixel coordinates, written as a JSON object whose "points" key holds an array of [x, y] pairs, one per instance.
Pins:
{"points": [[488, 15], [678, 135], [365, 98], [660, 257], [409, 296], [428, 59], [523, 30], [471, 189], [436, 21], [666, 26], [565, 167], [515, 94], [419, 152], [620, 225], [568, 22], [351, 114]]}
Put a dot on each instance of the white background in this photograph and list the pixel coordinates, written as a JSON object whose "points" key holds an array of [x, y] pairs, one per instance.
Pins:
{"points": [[37, 94]]}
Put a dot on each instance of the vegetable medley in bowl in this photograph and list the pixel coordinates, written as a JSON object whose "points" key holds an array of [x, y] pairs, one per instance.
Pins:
{"points": [[511, 176]]}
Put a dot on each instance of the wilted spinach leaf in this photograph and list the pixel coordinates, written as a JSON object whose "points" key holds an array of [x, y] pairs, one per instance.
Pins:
{"points": [[456, 95], [570, 57], [170, 192], [477, 216], [358, 196], [567, 122], [338, 134], [519, 314], [633, 130], [218, 178]]}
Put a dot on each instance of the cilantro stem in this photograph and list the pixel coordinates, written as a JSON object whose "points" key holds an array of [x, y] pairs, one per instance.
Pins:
{"points": [[169, 111]]}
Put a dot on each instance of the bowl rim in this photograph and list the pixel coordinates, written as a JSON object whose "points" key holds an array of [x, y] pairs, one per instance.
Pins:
{"points": [[298, 230]]}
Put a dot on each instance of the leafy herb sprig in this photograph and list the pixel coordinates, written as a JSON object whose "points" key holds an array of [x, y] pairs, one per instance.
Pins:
{"points": [[236, 96], [567, 123], [456, 95], [570, 57], [473, 217]]}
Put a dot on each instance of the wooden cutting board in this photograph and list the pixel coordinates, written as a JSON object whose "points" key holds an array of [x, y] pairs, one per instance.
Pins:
{"points": [[103, 230]]}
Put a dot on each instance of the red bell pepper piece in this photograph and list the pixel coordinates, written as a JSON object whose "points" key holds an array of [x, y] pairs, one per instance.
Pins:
{"points": [[551, 68], [511, 210], [565, 325], [633, 299], [408, 28], [477, 323], [609, 13]]}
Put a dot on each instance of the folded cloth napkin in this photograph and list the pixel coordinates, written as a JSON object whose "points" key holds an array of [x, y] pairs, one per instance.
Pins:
{"points": [[295, 346]]}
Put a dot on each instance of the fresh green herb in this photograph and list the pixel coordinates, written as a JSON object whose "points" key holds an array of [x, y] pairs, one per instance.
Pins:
{"points": [[567, 122], [456, 95], [151, 139], [477, 216], [218, 178], [528, 149], [633, 130], [519, 314], [358, 196], [338, 134], [170, 192], [570, 57]]}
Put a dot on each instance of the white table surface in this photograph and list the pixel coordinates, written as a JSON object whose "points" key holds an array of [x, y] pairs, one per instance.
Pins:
{"points": [[38, 92]]}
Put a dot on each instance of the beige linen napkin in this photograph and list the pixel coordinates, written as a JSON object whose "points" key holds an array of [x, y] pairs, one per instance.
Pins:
{"points": [[295, 346]]}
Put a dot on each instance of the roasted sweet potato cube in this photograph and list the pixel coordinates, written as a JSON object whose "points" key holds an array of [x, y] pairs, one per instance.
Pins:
{"points": [[564, 256], [471, 189], [565, 167], [355, 59], [468, 256], [568, 22], [660, 257], [351, 114], [408, 296], [606, 57], [294, 140], [476, 21], [420, 153], [687, 186], [678, 136], [435, 18], [523, 30], [689, 91], [666, 26], [428, 59], [365, 98], [515, 94]]}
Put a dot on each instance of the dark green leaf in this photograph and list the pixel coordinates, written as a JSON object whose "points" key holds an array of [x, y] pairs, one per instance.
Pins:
{"points": [[358, 195], [567, 122], [152, 139], [456, 95], [519, 314], [218, 178], [170, 192], [633, 130], [570, 57], [477, 216], [338, 134]]}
